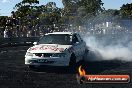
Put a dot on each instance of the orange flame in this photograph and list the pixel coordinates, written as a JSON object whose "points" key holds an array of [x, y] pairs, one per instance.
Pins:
{"points": [[81, 71]]}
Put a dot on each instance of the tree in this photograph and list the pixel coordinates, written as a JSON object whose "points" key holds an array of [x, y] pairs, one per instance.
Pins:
{"points": [[26, 10], [3, 21], [107, 15], [82, 10], [126, 11], [29, 13]]}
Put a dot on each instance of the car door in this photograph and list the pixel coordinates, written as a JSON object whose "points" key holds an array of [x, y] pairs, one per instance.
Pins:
{"points": [[77, 47], [82, 45]]}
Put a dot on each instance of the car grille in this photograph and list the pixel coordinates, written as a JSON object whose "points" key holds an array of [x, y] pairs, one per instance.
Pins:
{"points": [[35, 61], [43, 54]]}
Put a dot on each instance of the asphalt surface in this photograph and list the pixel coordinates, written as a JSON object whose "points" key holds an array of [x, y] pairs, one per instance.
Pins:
{"points": [[14, 74]]}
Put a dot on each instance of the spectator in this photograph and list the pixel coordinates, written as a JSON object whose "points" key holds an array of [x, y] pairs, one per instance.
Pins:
{"points": [[10, 33], [17, 31], [1, 34], [6, 33]]}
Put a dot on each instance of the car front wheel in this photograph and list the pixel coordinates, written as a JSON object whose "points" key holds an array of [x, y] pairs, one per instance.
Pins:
{"points": [[72, 62]]}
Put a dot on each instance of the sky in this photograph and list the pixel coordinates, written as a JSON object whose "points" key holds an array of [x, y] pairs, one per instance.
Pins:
{"points": [[6, 6]]}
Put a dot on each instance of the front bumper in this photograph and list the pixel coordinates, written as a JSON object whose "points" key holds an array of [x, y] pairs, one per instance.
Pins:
{"points": [[51, 61]]}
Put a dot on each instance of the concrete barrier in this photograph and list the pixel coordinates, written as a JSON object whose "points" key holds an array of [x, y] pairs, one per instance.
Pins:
{"points": [[18, 40]]}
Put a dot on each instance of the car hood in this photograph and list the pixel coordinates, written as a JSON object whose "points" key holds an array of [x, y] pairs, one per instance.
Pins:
{"points": [[48, 48]]}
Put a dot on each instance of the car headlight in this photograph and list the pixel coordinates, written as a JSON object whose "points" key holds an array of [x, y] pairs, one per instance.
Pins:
{"points": [[29, 54], [59, 55]]}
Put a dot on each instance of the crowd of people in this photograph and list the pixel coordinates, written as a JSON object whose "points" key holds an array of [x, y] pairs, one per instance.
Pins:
{"points": [[26, 31], [40, 30]]}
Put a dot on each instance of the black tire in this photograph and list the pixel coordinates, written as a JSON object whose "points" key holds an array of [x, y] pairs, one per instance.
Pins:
{"points": [[72, 62]]}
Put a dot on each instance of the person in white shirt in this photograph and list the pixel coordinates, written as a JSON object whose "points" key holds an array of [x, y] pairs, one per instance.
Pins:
{"points": [[6, 33]]}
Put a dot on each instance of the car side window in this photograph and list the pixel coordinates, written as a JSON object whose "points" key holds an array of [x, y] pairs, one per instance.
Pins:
{"points": [[79, 38], [75, 39]]}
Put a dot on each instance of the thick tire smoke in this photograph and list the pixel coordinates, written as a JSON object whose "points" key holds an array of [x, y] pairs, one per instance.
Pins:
{"points": [[109, 48]]}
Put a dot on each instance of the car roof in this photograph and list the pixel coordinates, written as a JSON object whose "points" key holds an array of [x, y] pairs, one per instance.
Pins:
{"points": [[70, 33]]}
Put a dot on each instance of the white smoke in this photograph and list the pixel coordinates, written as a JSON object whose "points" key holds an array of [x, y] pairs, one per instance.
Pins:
{"points": [[106, 49]]}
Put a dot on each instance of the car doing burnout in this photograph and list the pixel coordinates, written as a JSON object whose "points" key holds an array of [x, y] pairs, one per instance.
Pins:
{"points": [[56, 49]]}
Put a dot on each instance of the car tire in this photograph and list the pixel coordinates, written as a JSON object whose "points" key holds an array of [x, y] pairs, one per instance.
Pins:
{"points": [[72, 62]]}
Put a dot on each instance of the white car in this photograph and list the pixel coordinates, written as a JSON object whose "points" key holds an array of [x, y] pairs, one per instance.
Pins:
{"points": [[56, 49]]}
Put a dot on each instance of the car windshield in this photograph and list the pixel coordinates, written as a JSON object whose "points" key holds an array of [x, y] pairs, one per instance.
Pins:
{"points": [[63, 39]]}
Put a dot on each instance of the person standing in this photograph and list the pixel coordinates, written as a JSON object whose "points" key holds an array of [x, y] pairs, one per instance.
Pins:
{"points": [[6, 33]]}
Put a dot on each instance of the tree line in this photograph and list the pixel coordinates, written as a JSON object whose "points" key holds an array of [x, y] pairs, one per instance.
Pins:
{"points": [[74, 12]]}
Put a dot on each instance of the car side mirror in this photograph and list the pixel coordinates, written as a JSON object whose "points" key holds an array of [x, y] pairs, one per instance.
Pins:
{"points": [[35, 43], [75, 43]]}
